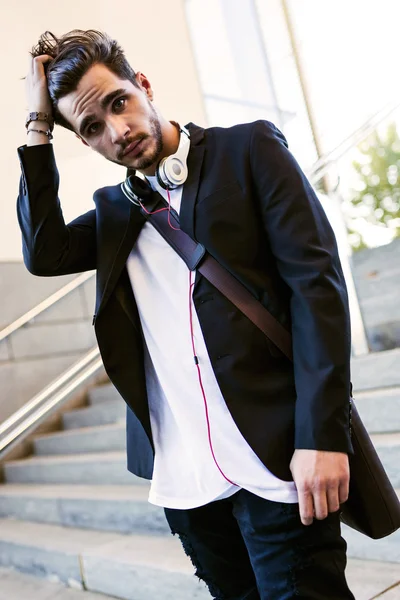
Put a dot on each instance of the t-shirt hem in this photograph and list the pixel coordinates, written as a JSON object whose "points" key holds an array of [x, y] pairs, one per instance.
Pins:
{"points": [[290, 497], [187, 503]]}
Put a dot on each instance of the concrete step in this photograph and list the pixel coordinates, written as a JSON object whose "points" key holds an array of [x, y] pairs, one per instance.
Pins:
{"points": [[127, 567], [87, 439], [379, 409], [100, 468], [103, 393], [120, 508], [103, 413], [393, 593], [388, 447], [376, 370], [19, 586], [367, 579]]}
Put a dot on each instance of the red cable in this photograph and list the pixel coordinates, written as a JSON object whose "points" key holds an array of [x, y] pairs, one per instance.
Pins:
{"points": [[193, 345], [161, 210], [152, 213], [201, 383]]}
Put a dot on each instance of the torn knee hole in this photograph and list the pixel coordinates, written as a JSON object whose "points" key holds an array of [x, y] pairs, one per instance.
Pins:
{"points": [[215, 591]]}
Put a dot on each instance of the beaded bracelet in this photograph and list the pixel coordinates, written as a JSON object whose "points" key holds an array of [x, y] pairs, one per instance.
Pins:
{"points": [[48, 132], [40, 116]]}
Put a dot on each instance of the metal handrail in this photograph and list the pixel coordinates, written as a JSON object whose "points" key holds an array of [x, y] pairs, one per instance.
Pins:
{"points": [[320, 168], [45, 304], [19, 425]]}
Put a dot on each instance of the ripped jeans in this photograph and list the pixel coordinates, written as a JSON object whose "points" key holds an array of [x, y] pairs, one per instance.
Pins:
{"points": [[248, 548]]}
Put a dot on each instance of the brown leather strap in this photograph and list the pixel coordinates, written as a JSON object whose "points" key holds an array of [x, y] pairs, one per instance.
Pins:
{"points": [[196, 257], [245, 301]]}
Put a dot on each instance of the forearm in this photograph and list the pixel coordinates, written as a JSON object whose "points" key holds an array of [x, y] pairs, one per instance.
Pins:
{"points": [[321, 353], [44, 232], [50, 247], [36, 134]]}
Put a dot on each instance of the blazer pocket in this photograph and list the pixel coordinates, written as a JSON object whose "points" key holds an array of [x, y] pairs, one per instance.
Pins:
{"points": [[221, 194]]}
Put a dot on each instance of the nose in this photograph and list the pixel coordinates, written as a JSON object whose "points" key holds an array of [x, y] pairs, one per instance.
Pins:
{"points": [[119, 129]]}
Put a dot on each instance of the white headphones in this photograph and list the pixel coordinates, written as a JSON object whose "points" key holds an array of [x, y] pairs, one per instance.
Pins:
{"points": [[172, 170]]}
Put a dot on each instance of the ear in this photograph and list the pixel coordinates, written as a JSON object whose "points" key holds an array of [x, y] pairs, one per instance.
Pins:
{"points": [[82, 140], [145, 85]]}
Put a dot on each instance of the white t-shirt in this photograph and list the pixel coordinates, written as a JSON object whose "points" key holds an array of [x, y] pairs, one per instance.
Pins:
{"points": [[199, 458]]}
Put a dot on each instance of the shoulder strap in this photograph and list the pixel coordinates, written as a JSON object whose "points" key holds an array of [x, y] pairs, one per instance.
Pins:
{"points": [[196, 257]]}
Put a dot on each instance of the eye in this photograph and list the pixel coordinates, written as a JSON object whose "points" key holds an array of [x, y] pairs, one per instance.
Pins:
{"points": [[92, 129], [119, 103]]}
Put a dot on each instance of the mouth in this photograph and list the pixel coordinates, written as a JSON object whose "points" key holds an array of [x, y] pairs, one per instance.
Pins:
{"points": [[134, 148]]}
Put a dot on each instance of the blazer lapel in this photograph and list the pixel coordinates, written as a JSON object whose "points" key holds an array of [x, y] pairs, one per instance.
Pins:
{"points": [[120, 221], [119, 228], [191, 186]]}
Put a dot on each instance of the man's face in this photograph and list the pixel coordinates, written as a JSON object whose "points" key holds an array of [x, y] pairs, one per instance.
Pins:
{"points": [[115, 118]]}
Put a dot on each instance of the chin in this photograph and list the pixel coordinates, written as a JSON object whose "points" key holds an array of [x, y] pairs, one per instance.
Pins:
{"points": [[143, 162]]}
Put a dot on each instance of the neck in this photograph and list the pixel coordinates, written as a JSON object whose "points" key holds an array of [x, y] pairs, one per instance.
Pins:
{"points": [[171, 137]]}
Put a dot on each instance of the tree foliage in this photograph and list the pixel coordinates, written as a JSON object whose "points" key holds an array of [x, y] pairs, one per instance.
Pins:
{"points": [[377, 197]]}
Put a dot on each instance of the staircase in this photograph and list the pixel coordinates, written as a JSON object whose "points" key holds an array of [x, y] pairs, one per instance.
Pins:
{"points": [[376, 379], [65, 513], [71, 513]]}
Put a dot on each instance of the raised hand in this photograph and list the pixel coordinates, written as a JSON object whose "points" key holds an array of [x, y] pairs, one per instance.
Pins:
{"points": [[38, 97], [36, 85]]}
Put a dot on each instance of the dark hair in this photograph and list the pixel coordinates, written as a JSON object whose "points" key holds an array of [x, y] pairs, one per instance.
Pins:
{"points": [[73, 54]]}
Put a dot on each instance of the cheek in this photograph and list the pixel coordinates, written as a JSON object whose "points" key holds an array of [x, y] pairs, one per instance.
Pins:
{"points": [[102, 144]]}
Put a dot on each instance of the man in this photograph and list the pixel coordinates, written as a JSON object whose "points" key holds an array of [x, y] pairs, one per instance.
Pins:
{"points": [[248, 453]]}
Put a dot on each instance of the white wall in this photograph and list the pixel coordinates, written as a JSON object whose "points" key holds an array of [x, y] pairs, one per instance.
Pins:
{"points": [[349, 49], [155, 38]]}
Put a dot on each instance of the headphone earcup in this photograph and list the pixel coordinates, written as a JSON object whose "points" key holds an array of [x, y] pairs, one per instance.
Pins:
{"points": [[171, 172]]}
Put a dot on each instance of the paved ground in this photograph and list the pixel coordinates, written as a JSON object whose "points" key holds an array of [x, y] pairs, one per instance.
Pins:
{"points": [[368, 580]]}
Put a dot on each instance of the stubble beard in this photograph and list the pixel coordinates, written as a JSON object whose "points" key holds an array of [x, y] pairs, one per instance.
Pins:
{"points": [[142, 161]]}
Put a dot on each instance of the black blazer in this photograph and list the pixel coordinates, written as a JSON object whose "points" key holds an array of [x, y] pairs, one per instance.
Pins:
{"points": [[248, 202]]}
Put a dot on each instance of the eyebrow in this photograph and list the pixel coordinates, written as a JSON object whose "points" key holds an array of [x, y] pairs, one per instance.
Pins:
{"points": [[104, 102]]}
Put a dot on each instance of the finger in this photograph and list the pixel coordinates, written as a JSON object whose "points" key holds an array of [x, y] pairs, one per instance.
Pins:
{"points": [[38, 63], [306, 507], [320, 504], [344, 490], [43, 58], [333, 499]]}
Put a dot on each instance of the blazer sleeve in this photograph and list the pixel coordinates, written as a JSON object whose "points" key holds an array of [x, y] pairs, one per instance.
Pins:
{"points": [[306, 253], [50, 247]]}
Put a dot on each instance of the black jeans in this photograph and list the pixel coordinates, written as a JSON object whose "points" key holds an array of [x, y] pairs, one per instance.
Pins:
{"points": [[248, 548]]}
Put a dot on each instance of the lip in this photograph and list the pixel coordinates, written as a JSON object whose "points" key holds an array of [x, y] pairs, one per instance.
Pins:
{"points": [[133, 148]]}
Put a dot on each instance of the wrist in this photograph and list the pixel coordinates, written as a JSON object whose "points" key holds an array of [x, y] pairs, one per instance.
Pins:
{"points": [[40, 117], [38, 134], [39, 124]]}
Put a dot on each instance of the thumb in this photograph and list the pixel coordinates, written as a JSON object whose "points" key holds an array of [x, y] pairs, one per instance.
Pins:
{"points": [[43, 58], [38, 62]]}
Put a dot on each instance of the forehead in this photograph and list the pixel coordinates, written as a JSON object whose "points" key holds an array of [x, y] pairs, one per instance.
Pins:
{"points": [[97, 82]]}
